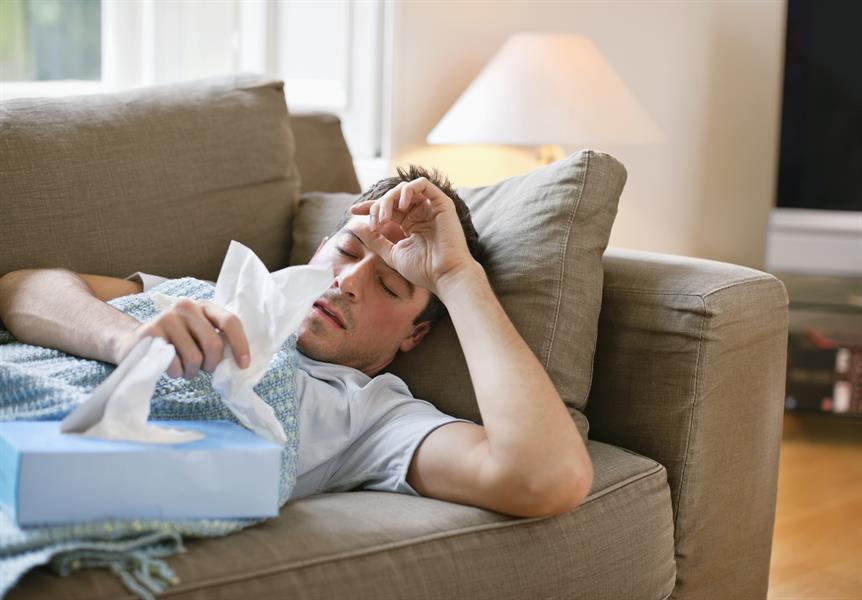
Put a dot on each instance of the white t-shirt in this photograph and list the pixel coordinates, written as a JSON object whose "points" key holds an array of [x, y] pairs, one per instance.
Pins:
{"points": [[355, 432]]}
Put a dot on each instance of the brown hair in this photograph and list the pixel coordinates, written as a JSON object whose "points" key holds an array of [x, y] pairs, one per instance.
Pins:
{"points": [[435, 309]]}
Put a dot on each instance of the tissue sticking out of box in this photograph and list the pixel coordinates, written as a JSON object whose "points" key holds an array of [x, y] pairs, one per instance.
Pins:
{"points": [[270, 307], [120, 405]]}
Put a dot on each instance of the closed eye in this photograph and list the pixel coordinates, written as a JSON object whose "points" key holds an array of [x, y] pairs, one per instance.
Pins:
{"points": [[386, 289]]}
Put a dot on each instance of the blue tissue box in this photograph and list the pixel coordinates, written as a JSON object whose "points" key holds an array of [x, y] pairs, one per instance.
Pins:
{"points": [[50, 477]]}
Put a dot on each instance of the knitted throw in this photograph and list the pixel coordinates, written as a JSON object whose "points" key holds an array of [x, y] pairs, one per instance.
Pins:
{"points": [[41, 384]]}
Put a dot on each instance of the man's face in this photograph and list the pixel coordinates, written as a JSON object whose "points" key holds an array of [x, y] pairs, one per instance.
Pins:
{"points": [[367, 315]]}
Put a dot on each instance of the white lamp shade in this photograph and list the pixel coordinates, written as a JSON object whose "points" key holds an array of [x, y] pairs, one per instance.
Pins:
{"points": [[546, 89]]}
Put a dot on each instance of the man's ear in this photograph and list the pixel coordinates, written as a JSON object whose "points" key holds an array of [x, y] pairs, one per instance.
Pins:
{"points": [[416, 335]]}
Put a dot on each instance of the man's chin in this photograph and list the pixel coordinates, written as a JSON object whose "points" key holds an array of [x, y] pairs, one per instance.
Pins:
{"points": [[306, 344]]}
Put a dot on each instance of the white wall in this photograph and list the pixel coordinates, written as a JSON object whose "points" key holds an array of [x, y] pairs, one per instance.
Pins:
{"points": [[709, 73]]}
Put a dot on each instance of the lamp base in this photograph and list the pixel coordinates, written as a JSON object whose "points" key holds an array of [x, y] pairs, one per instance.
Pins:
{"points": [[549, 153]]}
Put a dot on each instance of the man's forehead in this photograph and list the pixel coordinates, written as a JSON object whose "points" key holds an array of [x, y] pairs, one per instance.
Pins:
{"points": [[360, 228]]}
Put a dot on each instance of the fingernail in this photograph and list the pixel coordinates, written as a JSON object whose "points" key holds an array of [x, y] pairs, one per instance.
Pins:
{"points": [[243, 361]]}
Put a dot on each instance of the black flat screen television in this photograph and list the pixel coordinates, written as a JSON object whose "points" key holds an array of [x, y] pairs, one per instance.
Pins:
{"points": [[820, 157]]}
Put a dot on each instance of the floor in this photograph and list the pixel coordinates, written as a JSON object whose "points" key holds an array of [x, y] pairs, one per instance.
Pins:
{"points": [[817, 545]]}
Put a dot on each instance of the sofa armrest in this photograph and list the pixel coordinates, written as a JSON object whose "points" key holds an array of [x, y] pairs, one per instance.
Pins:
{"points": [[690, 371]]}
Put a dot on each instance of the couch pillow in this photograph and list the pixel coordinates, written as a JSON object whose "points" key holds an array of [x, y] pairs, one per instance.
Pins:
{"points": [[318, 214], [543, 235], [159, 179], [322, 155]]}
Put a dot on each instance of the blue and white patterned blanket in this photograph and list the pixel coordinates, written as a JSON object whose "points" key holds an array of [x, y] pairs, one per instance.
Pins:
{"points": [[42, 384]]}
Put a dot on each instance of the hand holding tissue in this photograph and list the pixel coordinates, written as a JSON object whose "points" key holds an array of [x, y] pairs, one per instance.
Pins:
{"points": [[199, 465], [270, 307]]}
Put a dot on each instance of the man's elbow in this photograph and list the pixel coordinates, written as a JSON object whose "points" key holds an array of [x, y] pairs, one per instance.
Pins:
{"points": [[567, 493], [556, 495]]}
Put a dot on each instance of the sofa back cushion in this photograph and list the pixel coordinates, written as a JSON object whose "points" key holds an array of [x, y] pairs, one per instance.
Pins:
{"points": [[543, 235], [158, 180], [322, 155], [318, 214]]}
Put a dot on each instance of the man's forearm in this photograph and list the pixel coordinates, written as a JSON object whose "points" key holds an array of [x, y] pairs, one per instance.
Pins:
{"points": [[57, 309], [527, 424]]}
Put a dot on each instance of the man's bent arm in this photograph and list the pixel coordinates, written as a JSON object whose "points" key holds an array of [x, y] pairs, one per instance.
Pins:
{"points": [[533, 447], [528, 426], [56, 308]]}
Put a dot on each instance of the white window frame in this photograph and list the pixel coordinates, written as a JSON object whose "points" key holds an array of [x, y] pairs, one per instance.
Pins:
{"points": [[356, 98], [57, 87], [130, 52], [127, 43]]}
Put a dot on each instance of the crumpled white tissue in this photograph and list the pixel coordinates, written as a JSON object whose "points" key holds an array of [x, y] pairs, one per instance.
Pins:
{"points": [[270, 307], [120, 405]]}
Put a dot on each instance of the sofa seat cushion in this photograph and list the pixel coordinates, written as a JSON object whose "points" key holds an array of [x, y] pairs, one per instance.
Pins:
{"points": [[618, 544]]}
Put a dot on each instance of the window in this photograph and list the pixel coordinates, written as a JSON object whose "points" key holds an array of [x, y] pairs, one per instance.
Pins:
{"points": [[44, 40], [329, 54]]}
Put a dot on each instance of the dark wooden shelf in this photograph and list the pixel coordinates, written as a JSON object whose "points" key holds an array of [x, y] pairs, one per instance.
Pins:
{"points": [[827, 305]]}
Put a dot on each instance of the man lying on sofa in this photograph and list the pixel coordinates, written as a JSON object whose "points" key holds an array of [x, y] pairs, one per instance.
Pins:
{"points": [[404, 257]]}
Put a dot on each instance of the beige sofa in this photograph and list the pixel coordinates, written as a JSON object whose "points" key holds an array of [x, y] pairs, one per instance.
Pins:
{"points": [[685, 408]]}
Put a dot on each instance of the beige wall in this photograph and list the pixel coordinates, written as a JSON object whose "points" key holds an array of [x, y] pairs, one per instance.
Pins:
{"points": [[709, 73]]}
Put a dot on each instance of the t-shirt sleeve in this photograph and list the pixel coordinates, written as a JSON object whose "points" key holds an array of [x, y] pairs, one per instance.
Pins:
{"points": [[380, 458], [146, 280]]}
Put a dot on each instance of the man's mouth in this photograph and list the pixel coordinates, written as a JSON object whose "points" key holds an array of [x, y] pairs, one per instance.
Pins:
{"points": [[330, 312]]}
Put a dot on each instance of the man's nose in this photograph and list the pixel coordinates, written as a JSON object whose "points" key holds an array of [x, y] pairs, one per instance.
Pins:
{"points": [[352, 278]]}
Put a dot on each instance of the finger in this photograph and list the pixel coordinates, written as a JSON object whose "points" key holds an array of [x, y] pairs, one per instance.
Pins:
{"points": [[381, 246], [187, 349], [413, 193], [231, 326], [389, 201], [207, 339], [398, 218], [405, 198], [374, 215], [175, 369], [387, 204], [362, 208], [421, 189], [421, 212], [156, 329]]}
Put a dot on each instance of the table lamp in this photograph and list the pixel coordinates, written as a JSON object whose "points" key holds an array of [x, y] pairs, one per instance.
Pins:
{"points": [[546, 90]]}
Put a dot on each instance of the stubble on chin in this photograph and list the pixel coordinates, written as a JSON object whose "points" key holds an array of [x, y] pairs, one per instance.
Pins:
{"points": [[312, 351], [312, 342]]}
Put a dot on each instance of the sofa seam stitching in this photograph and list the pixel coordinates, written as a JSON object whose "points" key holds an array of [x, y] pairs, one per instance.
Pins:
{"points": [[757, 279], [282, 568], [549, 344], [650, 292], [657, 468], [751, 280], [694, 406]]}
